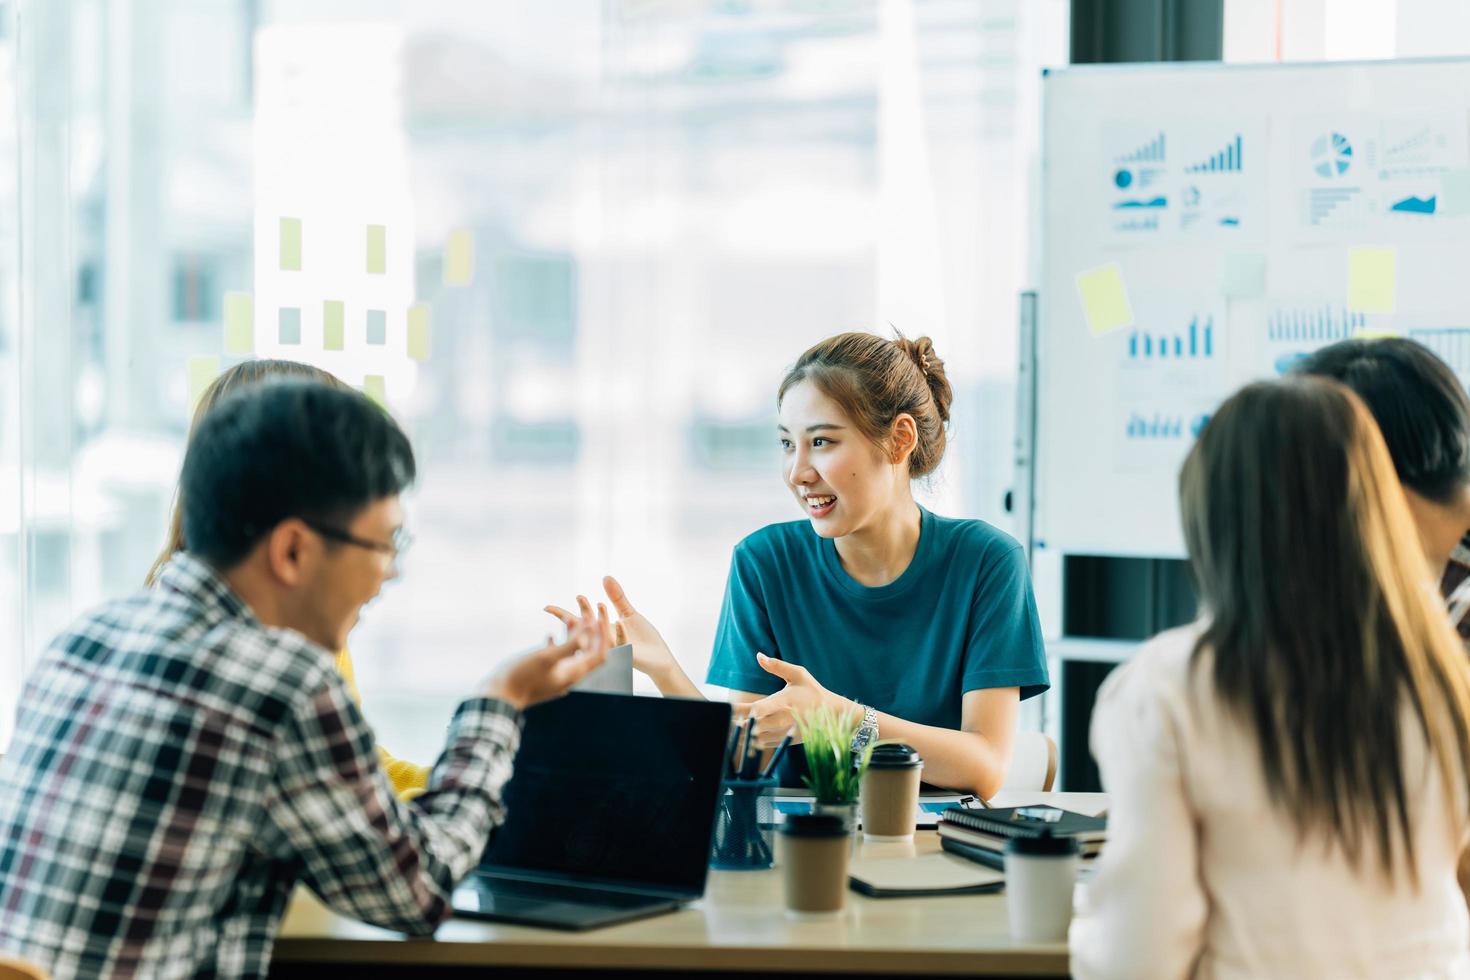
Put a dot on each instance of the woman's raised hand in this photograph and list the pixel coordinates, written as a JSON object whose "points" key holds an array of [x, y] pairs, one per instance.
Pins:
{"points": [[651, 655]]}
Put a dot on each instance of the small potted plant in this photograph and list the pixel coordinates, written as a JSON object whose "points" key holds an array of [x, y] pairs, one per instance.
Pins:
{"points": [[834, 773]]}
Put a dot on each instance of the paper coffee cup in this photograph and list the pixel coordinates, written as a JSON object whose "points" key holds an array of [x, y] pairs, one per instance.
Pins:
{"points": [[814, 859], [890, 792], [1041, 873]]}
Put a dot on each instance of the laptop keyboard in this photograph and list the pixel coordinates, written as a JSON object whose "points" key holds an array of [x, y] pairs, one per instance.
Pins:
{"points": [[522, 892]]}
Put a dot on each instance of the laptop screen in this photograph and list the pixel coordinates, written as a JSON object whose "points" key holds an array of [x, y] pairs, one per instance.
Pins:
{"points": [[617, 788]]}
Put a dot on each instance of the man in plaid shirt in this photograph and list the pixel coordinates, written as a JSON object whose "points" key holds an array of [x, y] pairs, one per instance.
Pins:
{"points": [[1424, 415], [183, 757]]}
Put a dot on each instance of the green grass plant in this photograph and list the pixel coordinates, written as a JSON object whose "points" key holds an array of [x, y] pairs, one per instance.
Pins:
{"points": [[834, 773]]}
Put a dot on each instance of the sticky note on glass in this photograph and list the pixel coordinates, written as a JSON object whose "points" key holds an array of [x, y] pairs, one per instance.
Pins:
{"points": [[377, 250], [373, 387], [334, 325], [1243, 275], [1454, 193], [239, 323], [1372, 279], [418, 331], [290, 244], [202, 370], [377, 327], [288, 325], [1104, 299], [459, 258]]}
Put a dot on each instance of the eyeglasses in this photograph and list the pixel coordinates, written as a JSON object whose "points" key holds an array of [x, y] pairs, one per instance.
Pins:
{"points": [[402, 540]]}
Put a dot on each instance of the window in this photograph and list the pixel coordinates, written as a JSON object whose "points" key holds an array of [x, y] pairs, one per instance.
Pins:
{"points": [[607, 227]]}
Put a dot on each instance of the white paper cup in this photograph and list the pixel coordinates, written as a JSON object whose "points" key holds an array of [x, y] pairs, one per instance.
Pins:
{"points": [[1040, 875]]}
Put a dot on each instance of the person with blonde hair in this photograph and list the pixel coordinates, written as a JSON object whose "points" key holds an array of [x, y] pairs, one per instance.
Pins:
{"points": [[1287, 776], [408, 778]]}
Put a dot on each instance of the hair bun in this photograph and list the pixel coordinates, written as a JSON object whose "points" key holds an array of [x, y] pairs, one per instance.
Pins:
{"points": [[921, 351]]}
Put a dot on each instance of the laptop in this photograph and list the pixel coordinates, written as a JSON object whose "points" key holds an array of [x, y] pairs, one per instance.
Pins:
{"points": [[610, 813]]}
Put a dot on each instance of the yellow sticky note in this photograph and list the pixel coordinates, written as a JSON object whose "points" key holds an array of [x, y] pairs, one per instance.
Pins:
{"points": [[290, 244], [239, 323], [1372, 279], [1104, 299], [1375, 333], [459, 258], [202, 370], [373, 387], [334, 325], [418, 331], [377, 250]]}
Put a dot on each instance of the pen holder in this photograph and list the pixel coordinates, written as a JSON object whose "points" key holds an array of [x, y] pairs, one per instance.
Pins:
{"points": [[744, 824]]}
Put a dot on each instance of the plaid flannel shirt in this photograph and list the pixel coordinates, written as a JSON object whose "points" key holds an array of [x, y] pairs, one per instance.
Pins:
{"points": [[1455, 587], [177, 767]]}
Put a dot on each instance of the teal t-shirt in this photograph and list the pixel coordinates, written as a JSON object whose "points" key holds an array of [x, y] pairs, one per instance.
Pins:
{"points": [[962, 617]]}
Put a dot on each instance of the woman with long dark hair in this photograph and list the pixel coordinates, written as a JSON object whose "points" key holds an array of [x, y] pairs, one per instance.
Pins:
{"points": [[1288, 776]]}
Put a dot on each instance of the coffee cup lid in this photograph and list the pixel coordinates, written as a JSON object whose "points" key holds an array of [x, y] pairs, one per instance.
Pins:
{"points": [[895, 755], [814, 825], [1045, 845]]}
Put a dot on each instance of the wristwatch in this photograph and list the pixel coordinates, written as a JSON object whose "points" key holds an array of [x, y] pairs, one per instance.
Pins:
{"points": [[867, 731]]}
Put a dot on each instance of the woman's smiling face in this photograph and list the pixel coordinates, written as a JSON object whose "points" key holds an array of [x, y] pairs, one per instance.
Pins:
{"points": [[841, 480]]}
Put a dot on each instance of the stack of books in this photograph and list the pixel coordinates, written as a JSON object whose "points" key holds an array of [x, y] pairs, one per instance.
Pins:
{"points": [[981, 835]]}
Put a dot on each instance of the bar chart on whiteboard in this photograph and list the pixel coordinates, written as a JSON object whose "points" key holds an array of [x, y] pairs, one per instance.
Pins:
{"points": [[1245, 217]]}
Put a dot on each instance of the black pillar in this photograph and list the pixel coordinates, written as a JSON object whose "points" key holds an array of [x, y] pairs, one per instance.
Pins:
{"points": [[1111, 31]]}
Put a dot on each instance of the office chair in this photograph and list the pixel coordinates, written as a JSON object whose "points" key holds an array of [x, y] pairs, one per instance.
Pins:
{"points": [[1033, 764]]}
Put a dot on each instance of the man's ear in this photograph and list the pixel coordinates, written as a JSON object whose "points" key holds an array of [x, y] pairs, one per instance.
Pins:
{"points": [[292, 549], [903, 438]]}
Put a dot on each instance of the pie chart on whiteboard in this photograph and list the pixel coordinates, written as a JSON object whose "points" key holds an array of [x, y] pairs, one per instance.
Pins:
{"points": [[1332, 154]]}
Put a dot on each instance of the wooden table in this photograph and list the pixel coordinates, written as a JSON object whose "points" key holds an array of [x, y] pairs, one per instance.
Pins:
{"points": [[739, 926]]}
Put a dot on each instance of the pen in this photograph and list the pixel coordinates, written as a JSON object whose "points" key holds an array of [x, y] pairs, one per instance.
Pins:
{"points": [[750, 762], [744, 749], [776, 757], [731, 744]]}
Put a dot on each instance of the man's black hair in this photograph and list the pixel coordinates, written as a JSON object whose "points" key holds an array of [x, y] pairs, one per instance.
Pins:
{"points": [[284, 449], [1421, 408]]}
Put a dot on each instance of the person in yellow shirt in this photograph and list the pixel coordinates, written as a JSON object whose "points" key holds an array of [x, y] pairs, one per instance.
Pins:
{"points": [[408, 779]]}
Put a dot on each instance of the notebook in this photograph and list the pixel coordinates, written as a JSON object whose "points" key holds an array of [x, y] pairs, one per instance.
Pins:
{"points": [[970, 852], [1030, 821], [930, 874]]}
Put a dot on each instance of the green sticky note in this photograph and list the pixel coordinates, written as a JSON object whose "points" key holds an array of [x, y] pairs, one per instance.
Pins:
{"points": [[290, 244], [377, 250], [418, 331], [373, 387], [459, 258], [1243, 275], [1104, 299], [334, 325], [239, 323], [202, 370], [1454, 193], [1372, 279]]}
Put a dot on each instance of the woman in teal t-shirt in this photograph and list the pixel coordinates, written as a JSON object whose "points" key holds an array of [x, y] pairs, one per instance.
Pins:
{"points": [[926, 625]]}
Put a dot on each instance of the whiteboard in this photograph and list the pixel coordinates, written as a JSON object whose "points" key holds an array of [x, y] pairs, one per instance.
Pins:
{"points": [[1188, 176]]}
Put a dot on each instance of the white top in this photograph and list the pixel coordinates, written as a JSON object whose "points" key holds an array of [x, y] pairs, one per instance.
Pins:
{"points": [[1202, 877]]}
